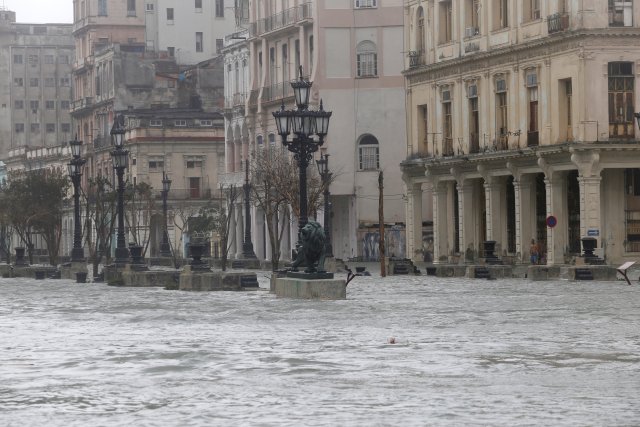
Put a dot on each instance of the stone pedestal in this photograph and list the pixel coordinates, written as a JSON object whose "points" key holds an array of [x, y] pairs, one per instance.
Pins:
{"points": [[69, 270], [196, 279], [324, 289]]}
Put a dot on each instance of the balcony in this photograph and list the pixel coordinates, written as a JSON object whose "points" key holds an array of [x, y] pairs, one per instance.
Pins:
{"points": [[80, 104], [276, 92], [280, 20], [236, 100], [416, 58], [557, 22]]}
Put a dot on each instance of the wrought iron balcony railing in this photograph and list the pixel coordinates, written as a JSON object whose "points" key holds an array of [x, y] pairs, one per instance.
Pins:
{"points": [[557, 22], [283, 19]]}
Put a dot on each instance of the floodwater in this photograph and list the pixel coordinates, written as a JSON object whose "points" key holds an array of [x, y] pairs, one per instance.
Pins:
{"points": [[466, 352]]}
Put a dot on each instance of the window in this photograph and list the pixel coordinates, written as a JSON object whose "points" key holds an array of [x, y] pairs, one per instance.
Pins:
{"points": [[171, 51], [423, 111], [48, 59], [310, 54], [102, 7], [532, 95], [64, 105], [64, 81], [360, 4], [219, 8], [35, 127], [296, 48], [50, 105], [49, 82], [447, 122], [194, 187], [620, 13], [155, 123], [621, 104], [40, 30], [19, 128], [198, 6], [472, 19], [206, 123], [17, 59], [366, 59], [149, 7], [18, 105], [445, 20], [285, 62], [51, 127], [199, 42], [169, 14], [33, 60], [219, 45], [192, 164], [64, 59], [474, 121], [34, 105], [18, 81], [131, 7], [180, 123], [65, 127], [369, 153], [531, 10], [156, 164], [502, 127], [420, 39], [501, 14]]}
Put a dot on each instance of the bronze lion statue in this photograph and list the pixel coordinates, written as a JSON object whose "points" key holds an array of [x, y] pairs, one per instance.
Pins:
{"points": [[311, 248]]}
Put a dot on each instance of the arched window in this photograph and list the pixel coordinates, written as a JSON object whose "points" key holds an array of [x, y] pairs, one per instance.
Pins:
{"points": [[367, 59], [369, 153]]}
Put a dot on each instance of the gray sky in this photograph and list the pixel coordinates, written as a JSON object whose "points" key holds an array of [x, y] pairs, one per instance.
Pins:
{"points": [[41, 11]]}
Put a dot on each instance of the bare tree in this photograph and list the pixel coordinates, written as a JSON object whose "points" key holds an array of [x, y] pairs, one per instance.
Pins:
{"points": [[222, 221], [100, 205], [140, 204]]}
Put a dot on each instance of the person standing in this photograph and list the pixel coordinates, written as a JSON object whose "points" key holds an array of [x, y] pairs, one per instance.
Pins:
{"points": [[534, 252]]}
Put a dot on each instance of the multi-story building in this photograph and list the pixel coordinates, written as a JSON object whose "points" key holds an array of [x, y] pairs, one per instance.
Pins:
{"points": [[35, 60], [352, 51], [191, 30], [521, 127]]}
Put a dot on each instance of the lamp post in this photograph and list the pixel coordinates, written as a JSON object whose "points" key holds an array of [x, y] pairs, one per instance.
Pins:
{"points": [[165, 248], [247, 245], [75, 173], [120, 158], [323, 170], [306, 125]]}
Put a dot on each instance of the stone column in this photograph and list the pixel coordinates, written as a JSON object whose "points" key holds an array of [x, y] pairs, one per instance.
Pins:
{"points": [[231, 244], [589, 180], [465, 214], [525, 214], [440, 220], [556, 198], [239, 219], [414, 221]]}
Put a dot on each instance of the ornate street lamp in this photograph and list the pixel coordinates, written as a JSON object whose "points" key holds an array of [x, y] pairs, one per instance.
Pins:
{"points": [[309, 129], [165, 248], [247, 245], [120, 158], [323, 170], [75, 173]]}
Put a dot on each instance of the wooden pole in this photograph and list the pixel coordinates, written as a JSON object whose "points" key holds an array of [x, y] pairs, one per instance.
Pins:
{"points": [[383, 270]]}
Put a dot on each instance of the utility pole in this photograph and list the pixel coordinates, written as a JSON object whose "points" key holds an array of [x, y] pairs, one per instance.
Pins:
{"points": [[383, 270]]}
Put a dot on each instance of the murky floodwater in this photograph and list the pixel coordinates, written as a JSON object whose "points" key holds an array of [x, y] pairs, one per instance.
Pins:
{"points": [[467, 352]]}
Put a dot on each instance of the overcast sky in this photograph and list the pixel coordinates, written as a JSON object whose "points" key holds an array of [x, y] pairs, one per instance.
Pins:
{"points": [[41, 11]]}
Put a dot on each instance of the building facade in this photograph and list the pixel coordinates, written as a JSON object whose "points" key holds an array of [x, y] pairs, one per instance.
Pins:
{"points": [[36, 90], [192, 31], [521, 128], [352, 51]]}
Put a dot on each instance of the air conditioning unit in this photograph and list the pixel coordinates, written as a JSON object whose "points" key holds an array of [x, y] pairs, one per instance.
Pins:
{"points": [[473, 91], [471, 32]]}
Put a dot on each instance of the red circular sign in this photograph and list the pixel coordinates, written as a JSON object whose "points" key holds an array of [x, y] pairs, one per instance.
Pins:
{"points": [[552, 221]]}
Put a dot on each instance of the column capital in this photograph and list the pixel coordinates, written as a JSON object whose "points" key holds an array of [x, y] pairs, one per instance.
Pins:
{"points": [[587, 162]]}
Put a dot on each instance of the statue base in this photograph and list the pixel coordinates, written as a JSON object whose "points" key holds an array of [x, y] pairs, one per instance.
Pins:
{"points": [[304, 288], [318, 275]]}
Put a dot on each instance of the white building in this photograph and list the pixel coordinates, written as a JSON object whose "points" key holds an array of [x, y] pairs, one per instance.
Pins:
{"points": [[352, 51], [191, 30]]}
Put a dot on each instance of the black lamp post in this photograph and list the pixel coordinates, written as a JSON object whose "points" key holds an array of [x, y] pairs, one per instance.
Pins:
{"points": [[306, 126], [75, 173], [323, 170], [247, 245], [120, 158], [165, 248]]}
